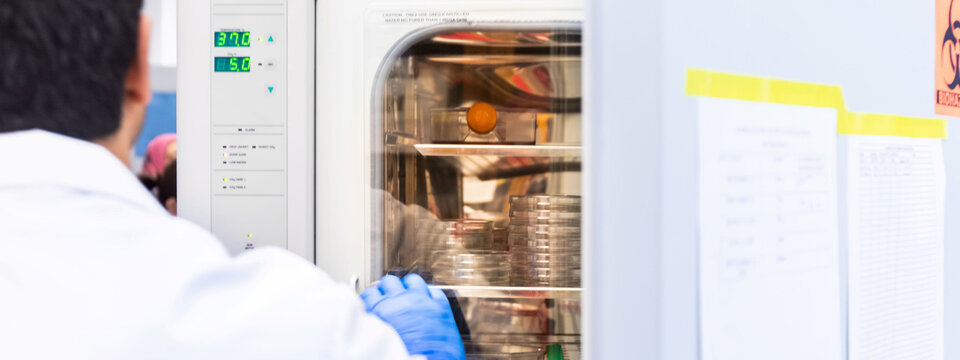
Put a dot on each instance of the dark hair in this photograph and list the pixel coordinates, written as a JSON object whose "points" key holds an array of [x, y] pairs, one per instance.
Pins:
{"points": [[63, 64], [167, 183]]}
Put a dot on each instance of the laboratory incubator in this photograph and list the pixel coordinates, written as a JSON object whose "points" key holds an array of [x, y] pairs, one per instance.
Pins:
{"points": [[378, 138]]}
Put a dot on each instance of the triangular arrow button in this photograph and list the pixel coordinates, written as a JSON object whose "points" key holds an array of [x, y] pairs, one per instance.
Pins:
{"points": [[270, 39], [270, 88]]}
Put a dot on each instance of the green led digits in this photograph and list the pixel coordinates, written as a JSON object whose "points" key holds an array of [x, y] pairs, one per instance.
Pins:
{"points": [[231, 64], [232, 39]]}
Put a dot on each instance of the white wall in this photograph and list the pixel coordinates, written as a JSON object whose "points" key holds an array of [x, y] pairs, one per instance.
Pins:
{"points": [[163, 43], [622, 138], [163, 40], [880, 51]]}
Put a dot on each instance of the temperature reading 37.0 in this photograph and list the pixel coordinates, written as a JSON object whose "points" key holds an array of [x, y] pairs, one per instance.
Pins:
{"points": [[231, 64], [231, 39]]}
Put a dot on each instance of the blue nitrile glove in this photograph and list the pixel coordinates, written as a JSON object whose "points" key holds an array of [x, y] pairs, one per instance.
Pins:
{"points": [[422, 316]]}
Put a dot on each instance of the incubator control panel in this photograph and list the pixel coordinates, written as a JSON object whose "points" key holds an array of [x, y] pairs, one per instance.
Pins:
{"points": [[248, 119]]}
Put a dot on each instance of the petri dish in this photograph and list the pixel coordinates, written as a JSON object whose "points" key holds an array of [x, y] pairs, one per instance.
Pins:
{"points": [[544, 217], [496, 351], [545, 202], [545, 229], [555, 238], [433, 242], [487, 277], [456, 226], [437, 235], [552, 277], [470, 260], [547, 260]]}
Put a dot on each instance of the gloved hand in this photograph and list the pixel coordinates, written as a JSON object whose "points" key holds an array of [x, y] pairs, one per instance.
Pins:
{"points": [[422, 316]]}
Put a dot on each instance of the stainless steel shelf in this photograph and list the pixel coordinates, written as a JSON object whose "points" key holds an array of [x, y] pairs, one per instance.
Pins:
{"points": [[510, 292], [499, 150]]}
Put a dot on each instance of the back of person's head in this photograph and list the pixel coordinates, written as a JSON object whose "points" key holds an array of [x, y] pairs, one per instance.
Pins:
{"points": [[63, 64], [167, 188]]}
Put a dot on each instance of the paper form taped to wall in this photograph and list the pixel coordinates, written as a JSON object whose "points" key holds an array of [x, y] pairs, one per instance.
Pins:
{"points": [[769, 247], [894, 200]]}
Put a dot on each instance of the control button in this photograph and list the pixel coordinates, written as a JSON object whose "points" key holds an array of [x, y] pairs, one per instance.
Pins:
{"points": [[271, 64], [272, 89], [270, 39]]}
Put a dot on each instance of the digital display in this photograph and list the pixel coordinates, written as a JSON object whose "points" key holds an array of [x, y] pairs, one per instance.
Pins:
{"points": [[232, 39], [231, 64]]}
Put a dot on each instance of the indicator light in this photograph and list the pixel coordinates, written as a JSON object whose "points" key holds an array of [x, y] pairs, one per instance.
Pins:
{"points": [[250, 236]]}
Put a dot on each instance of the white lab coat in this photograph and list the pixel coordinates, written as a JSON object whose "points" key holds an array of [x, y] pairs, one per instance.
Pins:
{"points": [[91, 267]]}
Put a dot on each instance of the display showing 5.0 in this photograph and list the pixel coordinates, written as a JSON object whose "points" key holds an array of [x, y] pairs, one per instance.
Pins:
{"points": [[231, 39], [231, 64]]}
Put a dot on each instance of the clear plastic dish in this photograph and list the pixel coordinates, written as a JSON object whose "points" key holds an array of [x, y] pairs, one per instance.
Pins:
{"points": [[495, 351], [545, 229], [546, 202], [439, 235], [557, 237], [540, 247], [452, 267], [486, 277], [546, 238], [435, 242], [544, 217], [552, 273], [456, 227], [478, 260], [545, 276], [547, 260], [555, 278]]}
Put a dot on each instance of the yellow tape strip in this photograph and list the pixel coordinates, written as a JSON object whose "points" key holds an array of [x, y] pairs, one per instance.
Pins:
{"points": [[749, 88], [892, 125]]}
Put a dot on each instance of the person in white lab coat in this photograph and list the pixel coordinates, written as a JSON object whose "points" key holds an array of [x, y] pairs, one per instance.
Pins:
{"points": [[92, 267]]}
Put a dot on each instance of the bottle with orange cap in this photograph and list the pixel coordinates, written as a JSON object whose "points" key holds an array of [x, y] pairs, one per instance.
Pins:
{"points": [[482, 123]]}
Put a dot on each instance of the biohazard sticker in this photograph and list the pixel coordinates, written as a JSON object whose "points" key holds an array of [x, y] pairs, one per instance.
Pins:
{"points": [[948, 58]]}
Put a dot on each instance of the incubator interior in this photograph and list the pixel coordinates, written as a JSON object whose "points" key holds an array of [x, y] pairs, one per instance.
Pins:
{"points": [[477, 153]]}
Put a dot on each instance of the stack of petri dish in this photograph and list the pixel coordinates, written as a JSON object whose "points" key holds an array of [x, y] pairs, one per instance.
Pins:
{"points": [[497, 351], [545, 240], [460, 252], [481, 268]]}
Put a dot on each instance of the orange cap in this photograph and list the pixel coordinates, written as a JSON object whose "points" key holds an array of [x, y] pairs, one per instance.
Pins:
{"points": [[482, 118]]}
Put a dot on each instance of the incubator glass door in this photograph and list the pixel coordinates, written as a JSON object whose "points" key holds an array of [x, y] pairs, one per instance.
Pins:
{"points": [[477, 160]]}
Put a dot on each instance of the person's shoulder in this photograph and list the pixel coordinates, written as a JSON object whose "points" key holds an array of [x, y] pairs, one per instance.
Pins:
{"points": [[269, 259], [182, 233], [280, 261]]}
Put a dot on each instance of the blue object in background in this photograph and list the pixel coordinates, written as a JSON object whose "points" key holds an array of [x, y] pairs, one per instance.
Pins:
{"points": [[161, 119]]}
